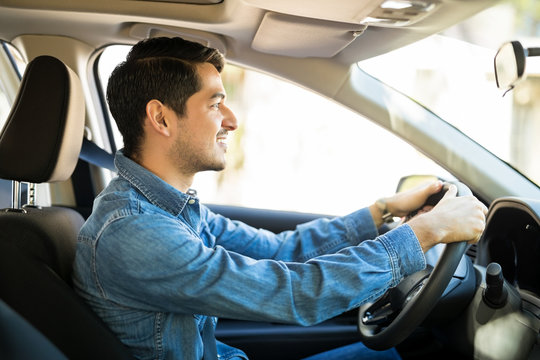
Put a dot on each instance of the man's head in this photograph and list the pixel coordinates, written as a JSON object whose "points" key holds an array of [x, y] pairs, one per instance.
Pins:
{"points": [[164, 69]]}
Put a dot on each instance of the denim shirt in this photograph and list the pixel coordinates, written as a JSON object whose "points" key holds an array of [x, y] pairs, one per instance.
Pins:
{"points": [[154, 264]]}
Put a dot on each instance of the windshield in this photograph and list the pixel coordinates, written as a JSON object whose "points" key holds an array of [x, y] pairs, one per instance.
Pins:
{"points": [[452, 75]]}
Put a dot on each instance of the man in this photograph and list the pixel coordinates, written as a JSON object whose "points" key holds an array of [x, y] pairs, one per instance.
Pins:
{"points": [[158, 266]]}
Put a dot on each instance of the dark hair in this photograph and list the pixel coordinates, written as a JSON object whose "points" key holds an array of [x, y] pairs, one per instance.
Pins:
{"points": [[158, 68]]}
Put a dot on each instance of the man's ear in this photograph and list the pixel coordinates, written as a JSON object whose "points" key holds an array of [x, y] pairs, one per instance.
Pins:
{"points": [[155, 115]]}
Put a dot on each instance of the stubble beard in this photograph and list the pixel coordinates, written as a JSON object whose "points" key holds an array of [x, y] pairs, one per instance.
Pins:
{"points": [[191, 161]]}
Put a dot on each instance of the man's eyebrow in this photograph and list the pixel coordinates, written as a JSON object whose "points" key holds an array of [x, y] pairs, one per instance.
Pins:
{"points": [[218, 95]]}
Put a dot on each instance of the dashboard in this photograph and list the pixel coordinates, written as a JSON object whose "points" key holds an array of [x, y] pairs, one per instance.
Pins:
{"points": [[512, 239]]}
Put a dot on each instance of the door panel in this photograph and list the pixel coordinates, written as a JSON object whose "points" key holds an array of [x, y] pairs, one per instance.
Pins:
{"points": [[281, 341]]}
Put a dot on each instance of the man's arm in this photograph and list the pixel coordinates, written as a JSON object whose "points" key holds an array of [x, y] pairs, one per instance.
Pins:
{"points": [[165, 266], [315, 238]]}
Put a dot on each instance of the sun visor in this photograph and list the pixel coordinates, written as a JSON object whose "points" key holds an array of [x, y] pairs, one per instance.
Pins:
{"points": [[347, 11], [289, 35], [143, 31]]}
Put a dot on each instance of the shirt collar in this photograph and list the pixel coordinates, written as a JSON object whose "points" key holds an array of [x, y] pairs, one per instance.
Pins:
{"points": [[157, 191]]}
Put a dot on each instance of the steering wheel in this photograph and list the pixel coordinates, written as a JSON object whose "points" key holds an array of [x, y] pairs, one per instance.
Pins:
{"points": [[393, 317]]}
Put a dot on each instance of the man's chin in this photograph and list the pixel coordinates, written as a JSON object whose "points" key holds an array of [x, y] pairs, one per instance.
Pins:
{"points": [[215, 167]]}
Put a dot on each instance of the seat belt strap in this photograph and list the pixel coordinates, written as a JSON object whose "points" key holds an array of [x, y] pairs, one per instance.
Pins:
{"points": [[93, 154]]}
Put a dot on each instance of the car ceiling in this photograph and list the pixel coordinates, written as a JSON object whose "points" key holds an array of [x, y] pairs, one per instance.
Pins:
{"points": [[241, 28]]}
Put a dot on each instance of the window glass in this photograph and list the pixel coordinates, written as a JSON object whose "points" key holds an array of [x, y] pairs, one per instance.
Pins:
{"points": [[295, 150], [453, 75], [9, 83], [11, 68], [5, 105], [112, 56]]}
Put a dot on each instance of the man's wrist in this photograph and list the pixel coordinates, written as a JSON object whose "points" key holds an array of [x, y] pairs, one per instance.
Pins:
{"points": [[426, 234], [386, 215], [379, 212]]}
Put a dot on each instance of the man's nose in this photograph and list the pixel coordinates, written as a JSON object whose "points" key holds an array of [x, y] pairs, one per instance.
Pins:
{"points": [[229, 119]]}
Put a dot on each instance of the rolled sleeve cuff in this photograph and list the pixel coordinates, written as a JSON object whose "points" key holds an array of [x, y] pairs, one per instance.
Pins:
{"points": [[404, 250]]}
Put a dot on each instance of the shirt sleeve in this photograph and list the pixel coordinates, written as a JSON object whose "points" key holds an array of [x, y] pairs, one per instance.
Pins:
{"points": [[160, 264], [315, 238]]}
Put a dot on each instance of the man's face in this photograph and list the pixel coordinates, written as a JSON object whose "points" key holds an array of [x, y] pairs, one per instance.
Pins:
{"points": [[202, 132]]}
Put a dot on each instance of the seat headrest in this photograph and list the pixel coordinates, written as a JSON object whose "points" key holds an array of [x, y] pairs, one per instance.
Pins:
{"points": [[42, 136]]}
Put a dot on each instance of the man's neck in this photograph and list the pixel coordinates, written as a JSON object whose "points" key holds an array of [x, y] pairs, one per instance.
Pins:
{"points": [[167, 173]]}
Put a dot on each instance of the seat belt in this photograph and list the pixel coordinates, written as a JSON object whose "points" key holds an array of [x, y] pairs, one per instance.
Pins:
{"points": [[93, 154], [209, 340]]}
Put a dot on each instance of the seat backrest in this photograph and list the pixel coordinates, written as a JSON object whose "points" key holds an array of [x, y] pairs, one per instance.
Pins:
{"points": [[16, 334], [40, 142]]}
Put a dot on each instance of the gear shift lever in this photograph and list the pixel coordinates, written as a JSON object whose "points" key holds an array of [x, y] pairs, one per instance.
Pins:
{"points": [[495, 295]]}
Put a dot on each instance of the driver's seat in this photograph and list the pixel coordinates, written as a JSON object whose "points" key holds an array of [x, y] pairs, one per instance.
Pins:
{"points": [[39, 143]]}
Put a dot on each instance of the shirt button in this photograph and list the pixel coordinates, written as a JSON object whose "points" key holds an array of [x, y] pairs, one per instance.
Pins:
{"points": [[191, 201]]}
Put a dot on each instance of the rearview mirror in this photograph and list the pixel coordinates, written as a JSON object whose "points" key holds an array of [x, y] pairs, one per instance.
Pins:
{"points": [[510, 64]]}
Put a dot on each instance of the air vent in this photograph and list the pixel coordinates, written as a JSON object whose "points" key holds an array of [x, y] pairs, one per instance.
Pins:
{"points": [[471, 252]]}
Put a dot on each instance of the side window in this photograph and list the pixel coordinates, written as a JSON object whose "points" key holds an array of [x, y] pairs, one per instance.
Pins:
{"points": [[11, 65], [109, 58], [295, 150], [11, 68]]}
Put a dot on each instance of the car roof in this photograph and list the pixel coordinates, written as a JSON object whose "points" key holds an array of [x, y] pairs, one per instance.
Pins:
{"points": [[244, 29]]}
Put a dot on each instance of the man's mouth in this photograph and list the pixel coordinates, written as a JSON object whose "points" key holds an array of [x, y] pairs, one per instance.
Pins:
{"points": [[222, 137]]}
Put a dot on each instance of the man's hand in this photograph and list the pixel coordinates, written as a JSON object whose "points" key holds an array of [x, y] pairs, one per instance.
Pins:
{"points": [[401, 204], [452, 219]]}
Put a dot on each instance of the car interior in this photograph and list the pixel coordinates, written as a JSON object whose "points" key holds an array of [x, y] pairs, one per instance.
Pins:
{"points": [[57, 148]]}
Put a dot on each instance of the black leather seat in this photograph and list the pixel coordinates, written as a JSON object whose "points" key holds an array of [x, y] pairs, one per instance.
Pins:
{"points": [[41, 142], [21, 341]]}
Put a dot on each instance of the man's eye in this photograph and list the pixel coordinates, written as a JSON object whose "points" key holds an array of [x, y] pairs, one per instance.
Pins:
{"points": [[216, 106]]}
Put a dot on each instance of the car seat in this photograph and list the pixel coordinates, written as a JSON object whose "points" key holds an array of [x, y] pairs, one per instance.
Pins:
{"points": [[40, 142], [21, 341]]}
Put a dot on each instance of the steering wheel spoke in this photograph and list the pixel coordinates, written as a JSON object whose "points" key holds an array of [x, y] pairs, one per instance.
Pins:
{"points": [[383, 311], [380, 313]]}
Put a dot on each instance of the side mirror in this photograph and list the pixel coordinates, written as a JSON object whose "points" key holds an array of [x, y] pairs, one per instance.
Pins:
{"points": [[411, 181], [510, 64]]}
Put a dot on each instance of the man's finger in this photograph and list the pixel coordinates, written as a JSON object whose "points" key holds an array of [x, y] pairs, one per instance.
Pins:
{"points": [[451, 192]]}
